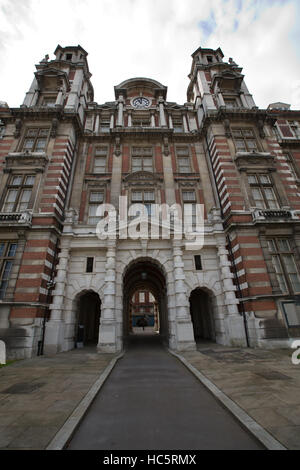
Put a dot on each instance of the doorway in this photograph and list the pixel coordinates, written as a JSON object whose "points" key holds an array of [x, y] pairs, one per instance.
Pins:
{"points": [[89, 312], [202, 315]]}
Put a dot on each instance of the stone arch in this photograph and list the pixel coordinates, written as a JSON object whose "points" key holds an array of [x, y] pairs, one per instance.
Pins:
{"points": [[145, 272]]}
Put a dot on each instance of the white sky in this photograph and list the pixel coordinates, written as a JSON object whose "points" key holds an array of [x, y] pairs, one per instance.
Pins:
{"points": [[155, 39]]}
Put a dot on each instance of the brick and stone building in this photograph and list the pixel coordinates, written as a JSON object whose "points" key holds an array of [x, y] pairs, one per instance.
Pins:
{"points": [[62, 155]]}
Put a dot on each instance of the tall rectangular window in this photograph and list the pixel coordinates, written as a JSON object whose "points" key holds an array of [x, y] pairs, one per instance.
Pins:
{"points": [[18, 193], [146, 197], [141, 159], [183, 160], [262, 191], [89, 265], [284, 265], [177, 124], [35, 140], [7, 255], [100, 160], [96, 198], [244, 140]]}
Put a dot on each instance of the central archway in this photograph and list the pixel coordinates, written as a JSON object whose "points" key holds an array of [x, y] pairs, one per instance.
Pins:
{"points": [[145, 275]]}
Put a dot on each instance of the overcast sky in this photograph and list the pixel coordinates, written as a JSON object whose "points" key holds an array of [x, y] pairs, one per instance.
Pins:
{"points": [[155, 39]]}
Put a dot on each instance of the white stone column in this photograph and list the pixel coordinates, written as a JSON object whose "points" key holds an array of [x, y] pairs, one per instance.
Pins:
{"points": [[59, 98], [129, 119], [54, 335], [170, 122], [97, 124], [120, 111], [162, 117], [152, 120], [112, 121], [185, 332], [221, 99], [185, 124], [244, 101], [107, 332]]}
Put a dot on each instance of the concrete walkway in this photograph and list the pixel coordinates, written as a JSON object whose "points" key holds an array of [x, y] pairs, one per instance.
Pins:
{"points": [[264, 383], [151, 401], [38, 395]]}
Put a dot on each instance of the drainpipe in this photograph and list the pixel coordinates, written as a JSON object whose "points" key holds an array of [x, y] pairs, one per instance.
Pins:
{"points": [[240, 295]]}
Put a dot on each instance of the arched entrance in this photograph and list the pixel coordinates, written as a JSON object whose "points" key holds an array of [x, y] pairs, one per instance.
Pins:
{"points": [[88, 318], [145, 276], [202, 315]]}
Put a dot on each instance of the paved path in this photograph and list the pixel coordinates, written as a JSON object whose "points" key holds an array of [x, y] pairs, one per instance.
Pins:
{"points": [[38, 395], [264, 383], [151, 401]]}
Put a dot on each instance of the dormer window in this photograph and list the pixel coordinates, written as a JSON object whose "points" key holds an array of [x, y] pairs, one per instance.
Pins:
{"points": [[209, 59], [68, 56]]}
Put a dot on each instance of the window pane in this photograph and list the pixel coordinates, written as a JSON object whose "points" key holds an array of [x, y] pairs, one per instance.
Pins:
{"points": [[43, 132], [12, 250], [136, 163], [31, 132], [100, 165], [271, 198], [240, 144], [29, 181], [251, 144], [236, 133], [252, 179], [278, 270], [149, 196], [264, 179], [40, 144], [147, 164], [289, 263], [16, 181], [271, 245], [184, 165], [7, 270], [3, 287], [258, 199], [24, 200], [283, 245], [10, 200], [2, 248], [188, 195], [294, 278], [101, 151], [96, 197], [247, 132], [28, 144], [137, 196]]}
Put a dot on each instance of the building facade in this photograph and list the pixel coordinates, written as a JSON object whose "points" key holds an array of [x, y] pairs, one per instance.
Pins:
{"points": [[63, 155]]}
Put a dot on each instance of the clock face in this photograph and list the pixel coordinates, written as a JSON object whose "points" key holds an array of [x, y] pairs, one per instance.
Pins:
{"points": [[141, 102]]}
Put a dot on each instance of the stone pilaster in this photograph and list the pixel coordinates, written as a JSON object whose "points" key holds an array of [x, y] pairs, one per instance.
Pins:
{"points": [[107, 333], [185, 332]]}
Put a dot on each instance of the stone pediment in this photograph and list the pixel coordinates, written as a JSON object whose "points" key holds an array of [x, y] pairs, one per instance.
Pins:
{"points": [[50, 74], [142, 178], [228, 80], [24, 160], [251, 160]]}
